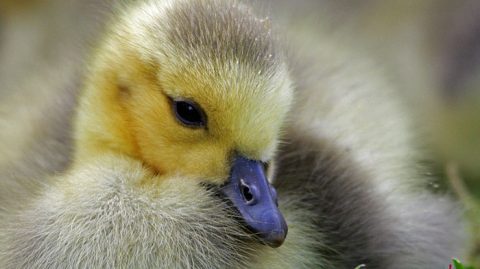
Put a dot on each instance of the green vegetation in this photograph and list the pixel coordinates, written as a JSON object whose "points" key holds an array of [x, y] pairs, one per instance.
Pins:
{"points": [[464, 188], [458, 265]]}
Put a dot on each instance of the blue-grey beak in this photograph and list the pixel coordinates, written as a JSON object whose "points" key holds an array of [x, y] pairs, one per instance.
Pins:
{"points": [[256, 200]]}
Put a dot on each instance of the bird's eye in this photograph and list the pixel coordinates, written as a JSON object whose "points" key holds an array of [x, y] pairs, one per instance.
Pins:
{"points": [[189, 113]]}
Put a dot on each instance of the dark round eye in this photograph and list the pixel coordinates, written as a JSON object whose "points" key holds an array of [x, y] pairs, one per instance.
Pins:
{"points": [[189, 113]]}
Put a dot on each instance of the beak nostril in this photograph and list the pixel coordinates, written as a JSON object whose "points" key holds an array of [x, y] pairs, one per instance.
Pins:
{"points": [[246, 192]]}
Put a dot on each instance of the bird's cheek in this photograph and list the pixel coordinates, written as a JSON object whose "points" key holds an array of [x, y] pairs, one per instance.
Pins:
{"points": [[210, 164]]}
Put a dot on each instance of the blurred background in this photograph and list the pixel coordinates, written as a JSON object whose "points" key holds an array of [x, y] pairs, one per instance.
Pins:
{"points": [[431, 48]]}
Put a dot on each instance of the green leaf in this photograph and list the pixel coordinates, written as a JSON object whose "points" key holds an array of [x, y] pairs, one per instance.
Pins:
{"points": [[459, 265]]}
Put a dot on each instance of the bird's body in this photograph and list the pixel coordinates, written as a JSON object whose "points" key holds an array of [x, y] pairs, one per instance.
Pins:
{"points": [[142, 190]]}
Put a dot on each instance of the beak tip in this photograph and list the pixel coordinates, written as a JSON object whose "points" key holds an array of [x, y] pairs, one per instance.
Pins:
{"points": [[276, 234], [275, 239]]}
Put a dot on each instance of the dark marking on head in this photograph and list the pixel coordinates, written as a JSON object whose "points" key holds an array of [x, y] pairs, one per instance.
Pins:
{"points": [[123, 91], [222, 31]]}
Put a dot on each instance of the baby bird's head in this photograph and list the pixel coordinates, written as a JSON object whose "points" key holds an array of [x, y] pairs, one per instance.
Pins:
{"points": [[193, 89]]}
